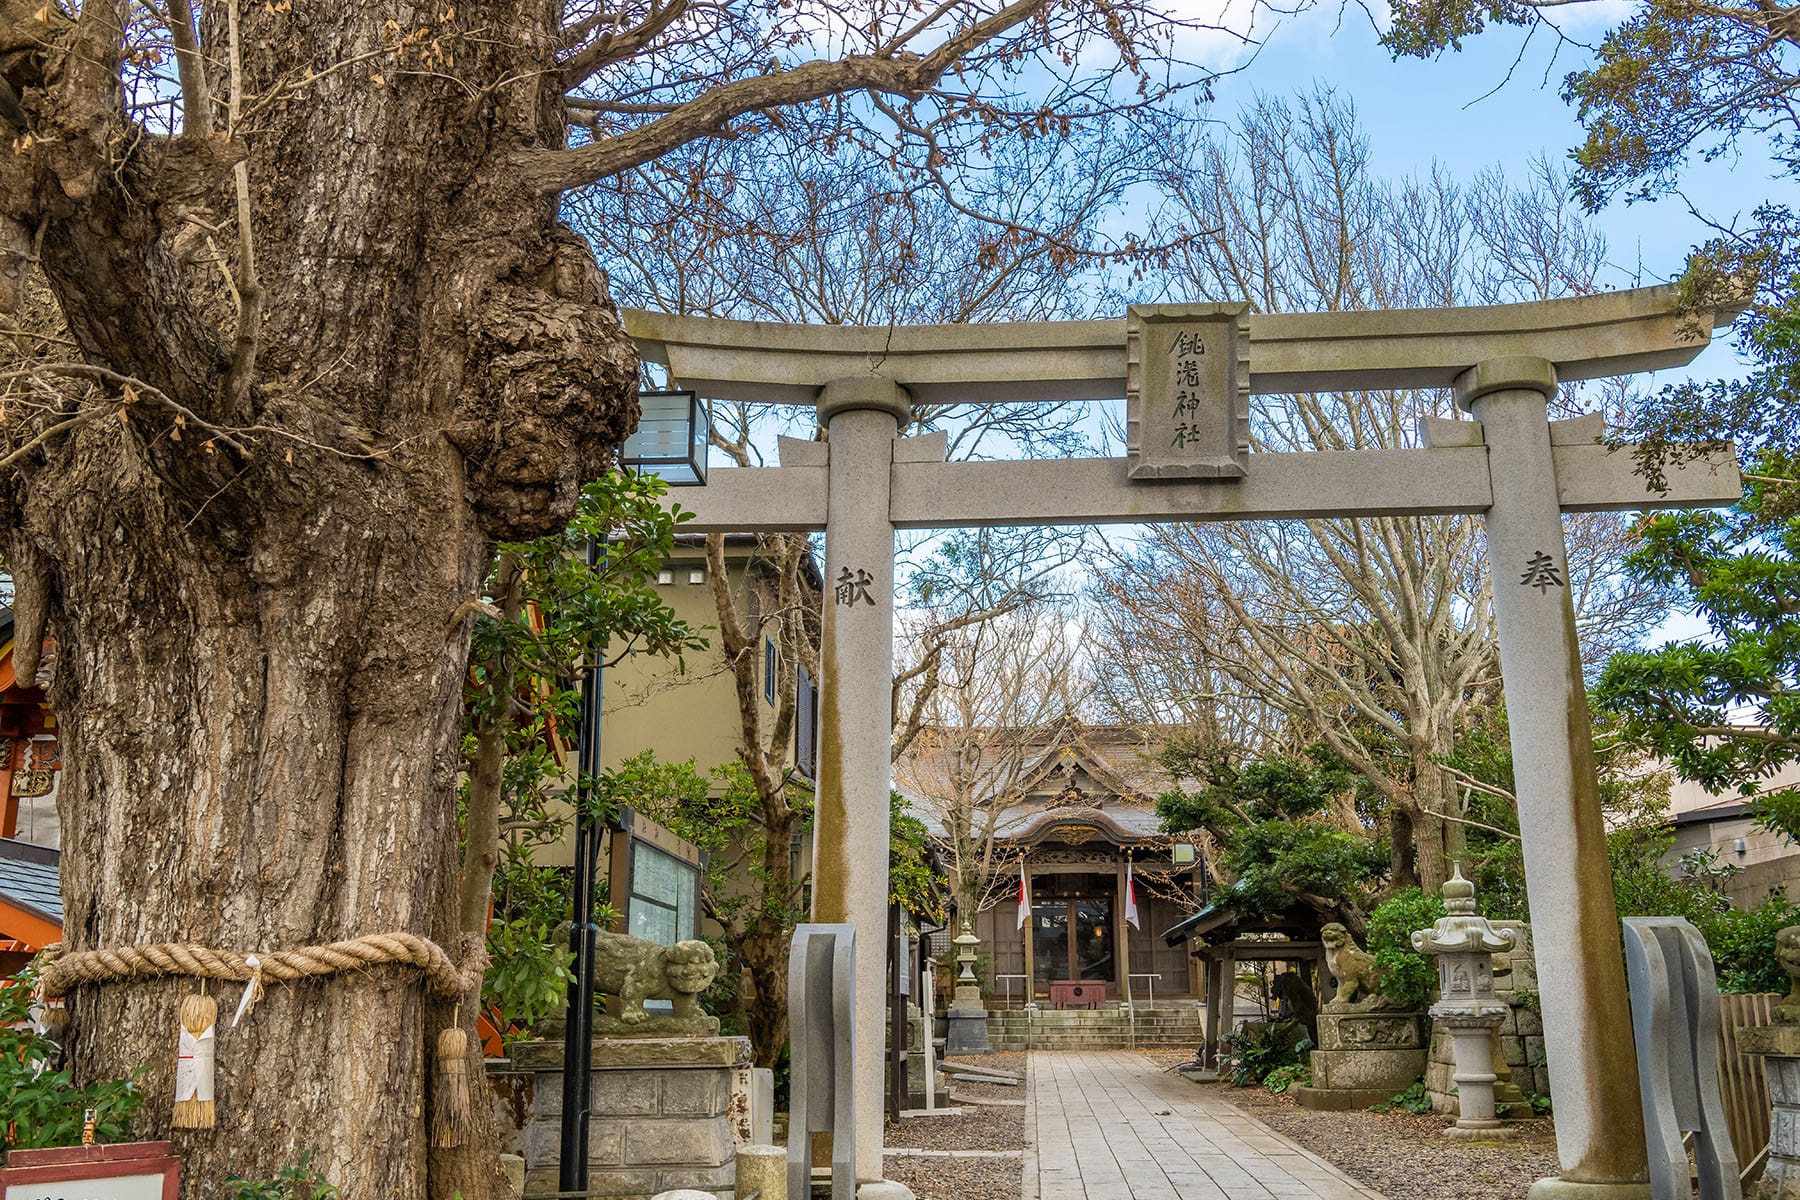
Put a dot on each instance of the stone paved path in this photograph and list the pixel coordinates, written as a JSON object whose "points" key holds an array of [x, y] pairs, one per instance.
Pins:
{"points": [[1111, 1125]]}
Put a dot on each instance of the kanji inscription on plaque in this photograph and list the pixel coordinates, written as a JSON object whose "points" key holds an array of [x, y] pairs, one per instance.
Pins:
{"points": [[1187, 390]]}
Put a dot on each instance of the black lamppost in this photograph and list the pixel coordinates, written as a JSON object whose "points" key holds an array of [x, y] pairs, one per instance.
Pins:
{"points": [[670, 442]]}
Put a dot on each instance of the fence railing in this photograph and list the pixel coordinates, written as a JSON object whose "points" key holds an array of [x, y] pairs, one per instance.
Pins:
{"points": [[1741, 1079]]}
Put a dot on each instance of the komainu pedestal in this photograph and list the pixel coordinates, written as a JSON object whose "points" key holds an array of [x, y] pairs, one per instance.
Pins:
{"points": [[661, 1118], [1364, 1058]]}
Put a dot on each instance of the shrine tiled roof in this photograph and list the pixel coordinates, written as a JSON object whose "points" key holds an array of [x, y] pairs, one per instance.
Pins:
{"points": [[1125, 822], [29, 879]]}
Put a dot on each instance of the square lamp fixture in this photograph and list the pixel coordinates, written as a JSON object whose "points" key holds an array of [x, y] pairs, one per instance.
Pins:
{"points": [[670, 441]]}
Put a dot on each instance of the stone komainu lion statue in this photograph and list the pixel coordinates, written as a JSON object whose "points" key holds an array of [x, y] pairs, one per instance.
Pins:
{"points": [[635, 970], [1353, 968]]}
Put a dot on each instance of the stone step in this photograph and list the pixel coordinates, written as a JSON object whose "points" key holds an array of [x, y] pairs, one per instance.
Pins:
{"points": [[1160, 1030], [1012, 1045], [1064, 1018]]}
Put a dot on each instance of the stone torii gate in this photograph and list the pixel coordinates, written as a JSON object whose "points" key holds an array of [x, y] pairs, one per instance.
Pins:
{"points": [[1187, 373]]}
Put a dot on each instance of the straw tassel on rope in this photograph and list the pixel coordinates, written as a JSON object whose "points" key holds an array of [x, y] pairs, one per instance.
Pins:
{"points": [[194, 1062], [451, 1116]]}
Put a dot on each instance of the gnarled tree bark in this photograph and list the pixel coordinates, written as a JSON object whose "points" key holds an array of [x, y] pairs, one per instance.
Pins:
{"points": [[261, 652]]}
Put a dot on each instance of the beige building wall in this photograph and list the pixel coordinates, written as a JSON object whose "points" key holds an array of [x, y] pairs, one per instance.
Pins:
{"points": [[1767, 862], [652, 703]]}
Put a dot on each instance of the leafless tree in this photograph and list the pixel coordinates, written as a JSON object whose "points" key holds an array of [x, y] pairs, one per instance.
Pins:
{"points": [[1004, 686], [1374, 634]]}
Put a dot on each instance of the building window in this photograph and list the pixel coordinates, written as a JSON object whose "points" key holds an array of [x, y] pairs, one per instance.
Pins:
{"points": [[665, 578], [806, 726], [769, 670], [696, 576]]}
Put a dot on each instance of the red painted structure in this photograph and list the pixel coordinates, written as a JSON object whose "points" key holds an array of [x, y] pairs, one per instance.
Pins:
{"points": [[149, 1169], [30, 767]]}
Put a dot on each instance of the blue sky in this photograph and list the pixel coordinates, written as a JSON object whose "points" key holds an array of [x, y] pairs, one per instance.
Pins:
{"points": [[1490, 104], [1462, 110]]}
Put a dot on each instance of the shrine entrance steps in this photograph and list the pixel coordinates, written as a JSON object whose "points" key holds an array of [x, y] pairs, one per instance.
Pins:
{"points": [[1115, 1126], [1168, 1025]]}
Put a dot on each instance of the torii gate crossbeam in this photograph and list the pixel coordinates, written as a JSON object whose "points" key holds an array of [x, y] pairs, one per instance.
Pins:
{"points": [[1511, 464]]}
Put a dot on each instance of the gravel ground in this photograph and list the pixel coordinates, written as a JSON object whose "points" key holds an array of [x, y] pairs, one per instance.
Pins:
{"points": [[1401, 1154], [978, 1127], [957, 1178]]}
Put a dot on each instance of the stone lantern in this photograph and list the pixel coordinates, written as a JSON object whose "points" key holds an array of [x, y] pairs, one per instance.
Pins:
{"points": [[1464, 945], [967, 1032]]}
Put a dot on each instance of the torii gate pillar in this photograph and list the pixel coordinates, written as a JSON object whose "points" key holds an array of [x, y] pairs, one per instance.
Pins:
{"points": [[862, 417], [1587, 1025]]}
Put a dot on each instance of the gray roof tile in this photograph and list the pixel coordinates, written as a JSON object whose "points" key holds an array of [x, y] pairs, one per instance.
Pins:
{"points": [[29, 879]]}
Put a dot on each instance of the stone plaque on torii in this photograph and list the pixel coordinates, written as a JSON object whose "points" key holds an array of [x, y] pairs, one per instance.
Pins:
{"points": [[1511, 464]]}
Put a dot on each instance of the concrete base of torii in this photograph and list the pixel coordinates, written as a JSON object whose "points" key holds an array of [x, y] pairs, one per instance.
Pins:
{"points": [[1571, 1189]]}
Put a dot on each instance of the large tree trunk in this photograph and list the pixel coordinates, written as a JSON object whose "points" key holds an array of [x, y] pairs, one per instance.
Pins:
{"points": [[1439, 839], [261, 652], [1403, 854]]}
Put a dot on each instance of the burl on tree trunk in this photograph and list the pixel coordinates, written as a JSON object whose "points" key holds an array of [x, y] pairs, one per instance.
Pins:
{"points": [[253, 533]]}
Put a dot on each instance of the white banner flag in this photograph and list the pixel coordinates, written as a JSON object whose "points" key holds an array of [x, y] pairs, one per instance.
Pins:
{"points": [[1131, 913], [1024, 896]]}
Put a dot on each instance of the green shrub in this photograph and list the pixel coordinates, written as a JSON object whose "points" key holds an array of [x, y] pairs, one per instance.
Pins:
{"points": [[44, 1107], [298, 1182], [1538, 1103], [784, 1077], [1742, 942], [1407, 976], [1412, 1100], [1282, 1078], [1251, 1054]]}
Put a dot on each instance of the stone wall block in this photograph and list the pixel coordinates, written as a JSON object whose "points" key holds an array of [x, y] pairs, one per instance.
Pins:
{"points": [[1393, 1070], [626, 1092], [674, 1141], [1528, 1022], [546, 1099], [628, 1184], [543, 1143], [660, 1115], [717, 1177], [1784, 1077], [1513, 1050], [1784, 1135], [606, 1143], [696, 1092], [1534, 1050]]}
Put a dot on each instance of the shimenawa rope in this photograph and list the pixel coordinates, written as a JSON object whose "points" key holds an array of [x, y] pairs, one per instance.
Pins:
{"points": [[63, 971], [69, 969]]}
